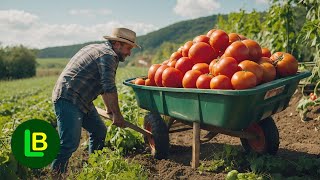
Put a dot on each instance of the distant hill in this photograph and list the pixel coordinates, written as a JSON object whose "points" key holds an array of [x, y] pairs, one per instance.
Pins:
{"points": [[177, 33]]}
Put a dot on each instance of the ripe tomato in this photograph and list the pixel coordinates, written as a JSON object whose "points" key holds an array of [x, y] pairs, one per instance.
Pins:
{"points": [[152, 71], [158, 75], [226, 66], [202, 52], [263, 60], [220, 82], [201, 38], [139, 81], [186, 47], [172, 63], [242, 37], [210, 32], [203, 81], [255, 52], [219, 40], [269, 72], [180, 50], [285, 63], [165, 62], [243, 80], [150, 82], [172, 77], [238, 51], [211, 65], [253, 67], [313, 96], [233, 37], [265, 52], [190, 78], [175, 56], [203, 67], [184, 64]]}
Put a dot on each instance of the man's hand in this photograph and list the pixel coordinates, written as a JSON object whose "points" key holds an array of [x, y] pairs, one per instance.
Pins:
{"points": [[118, 120]]}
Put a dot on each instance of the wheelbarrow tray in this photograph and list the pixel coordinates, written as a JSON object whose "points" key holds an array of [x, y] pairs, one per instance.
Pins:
{"points": [[231, 109]]}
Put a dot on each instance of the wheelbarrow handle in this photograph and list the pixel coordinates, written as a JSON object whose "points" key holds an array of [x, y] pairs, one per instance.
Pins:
{"points": [[145, 132]]}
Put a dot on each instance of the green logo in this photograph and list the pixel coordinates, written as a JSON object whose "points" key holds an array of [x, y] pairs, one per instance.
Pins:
{"points": [[35, 143]]}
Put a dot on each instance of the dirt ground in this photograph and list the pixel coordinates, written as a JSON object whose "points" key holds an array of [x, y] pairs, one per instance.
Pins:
{"points": [[297, 138]]}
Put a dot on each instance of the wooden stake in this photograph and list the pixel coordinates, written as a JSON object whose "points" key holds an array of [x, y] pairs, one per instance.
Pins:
{"points": [[196, 145]]}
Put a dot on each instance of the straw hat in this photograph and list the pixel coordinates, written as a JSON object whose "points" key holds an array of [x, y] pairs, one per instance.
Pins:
{"points": [[123, 35]]}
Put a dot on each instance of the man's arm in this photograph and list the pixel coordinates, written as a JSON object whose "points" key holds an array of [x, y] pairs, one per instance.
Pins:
{"points": [[112, 104]]}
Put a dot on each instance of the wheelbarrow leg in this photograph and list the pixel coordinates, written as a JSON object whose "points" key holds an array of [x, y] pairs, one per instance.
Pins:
{"points": [[196, 145]]}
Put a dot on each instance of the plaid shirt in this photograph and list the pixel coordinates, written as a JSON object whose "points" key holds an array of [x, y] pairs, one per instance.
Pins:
{"points": [[90, 72]]}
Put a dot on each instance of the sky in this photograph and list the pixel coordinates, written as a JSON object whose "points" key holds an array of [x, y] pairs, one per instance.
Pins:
{"points": [[48, 23]]}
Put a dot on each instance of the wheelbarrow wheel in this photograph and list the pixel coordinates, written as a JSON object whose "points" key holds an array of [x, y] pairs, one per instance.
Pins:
{"points": [[159, 141], [268, 141]]}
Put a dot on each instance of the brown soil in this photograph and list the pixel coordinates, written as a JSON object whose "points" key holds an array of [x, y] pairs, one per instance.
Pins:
{"points": [[297, 138]]}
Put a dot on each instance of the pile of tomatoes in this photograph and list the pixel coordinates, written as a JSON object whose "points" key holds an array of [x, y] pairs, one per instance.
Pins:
{"points": [[219, 60]]}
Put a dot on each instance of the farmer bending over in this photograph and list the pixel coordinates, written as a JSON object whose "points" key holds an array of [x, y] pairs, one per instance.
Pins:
{"points": [[90, 72]]}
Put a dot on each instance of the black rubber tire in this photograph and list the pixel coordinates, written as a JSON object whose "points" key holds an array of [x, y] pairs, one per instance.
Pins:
{"points": [[271, 137], [160, 148]]}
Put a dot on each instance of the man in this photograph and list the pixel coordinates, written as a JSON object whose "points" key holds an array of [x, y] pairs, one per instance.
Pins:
{"points": [[90, 72]]}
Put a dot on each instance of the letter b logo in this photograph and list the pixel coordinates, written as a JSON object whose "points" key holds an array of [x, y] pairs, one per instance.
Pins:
{"points": [[40, 142]]}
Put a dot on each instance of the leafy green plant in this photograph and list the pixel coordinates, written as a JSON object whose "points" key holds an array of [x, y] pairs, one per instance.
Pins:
{"points": [[106, 164]]}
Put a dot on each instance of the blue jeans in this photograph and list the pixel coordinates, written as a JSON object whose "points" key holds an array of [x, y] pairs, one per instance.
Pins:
{"points": [[70, 119]]}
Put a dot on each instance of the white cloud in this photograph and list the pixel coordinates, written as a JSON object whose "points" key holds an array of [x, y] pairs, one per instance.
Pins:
{"points": [[196, 8], [262, 1], [19, 27], [89, 12]]}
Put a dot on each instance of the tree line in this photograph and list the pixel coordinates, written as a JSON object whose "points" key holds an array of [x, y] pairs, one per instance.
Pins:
{"points": [[17, 62]]}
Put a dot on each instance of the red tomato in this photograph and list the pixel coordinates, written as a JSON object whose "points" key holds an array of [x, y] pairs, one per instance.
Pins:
{"points": [[255, 52], [238, 51], [203, 81], [219, 40], [175, 56], [158, 75], [264, 60], [152, 71], [180, 50], [202, 52], [190, 78], [211, 65], [243, 80], [172, 77], [265, 52], [253, 67], [201, 38], [285, 63], [172, 63], [233, 37], [184, 64], [139, 81], [186, 47], [269, 72], [203, 67], [242, 37], [165, 62], [226, 66], [150, 82], [210, 32], [313, 96], [220, 82]]}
